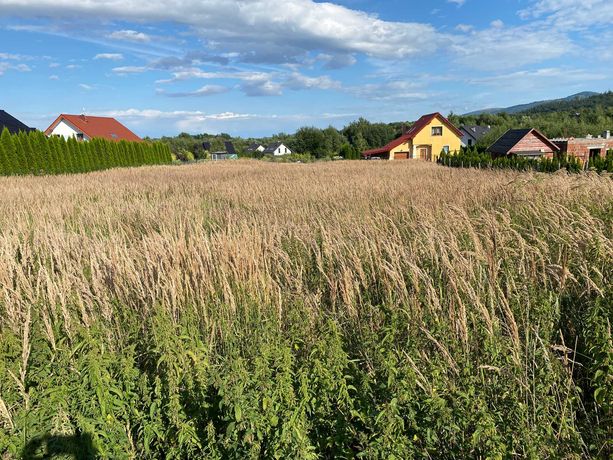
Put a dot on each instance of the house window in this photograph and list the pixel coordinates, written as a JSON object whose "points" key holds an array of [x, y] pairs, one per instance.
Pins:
{"points": [[470, 142], [446, 148], [437, 130], [79, 136]]}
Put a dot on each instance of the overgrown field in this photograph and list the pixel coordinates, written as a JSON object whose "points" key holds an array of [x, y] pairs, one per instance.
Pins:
{"points": [[333, 310]]}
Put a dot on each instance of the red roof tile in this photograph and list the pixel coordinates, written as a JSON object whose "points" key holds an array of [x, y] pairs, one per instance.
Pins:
{"points": [[101, 127], [412, 132]]}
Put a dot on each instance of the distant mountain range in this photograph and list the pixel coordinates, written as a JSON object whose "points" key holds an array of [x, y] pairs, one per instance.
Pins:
{"points": [[533, 105]]}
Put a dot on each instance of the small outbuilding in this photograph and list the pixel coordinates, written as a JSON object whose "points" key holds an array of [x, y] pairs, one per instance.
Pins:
{"points": [[526, 143]]}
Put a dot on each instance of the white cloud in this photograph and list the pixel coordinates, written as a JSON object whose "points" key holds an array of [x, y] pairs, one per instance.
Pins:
{"points": [[502, 48], [457, 2], [109, 56], [298, 81], [86, 87], [497, 24], [54, 77], [206, 90], [464, 28], [571, 14], [540, 77], [126, 70], [130, 36], [258, 29]]}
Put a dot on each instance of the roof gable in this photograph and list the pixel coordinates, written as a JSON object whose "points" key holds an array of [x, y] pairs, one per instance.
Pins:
{"points": [[100, 127]]}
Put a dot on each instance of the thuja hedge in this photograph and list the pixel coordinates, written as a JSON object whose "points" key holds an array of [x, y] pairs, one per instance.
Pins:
{"points": [[471, 158], [34, 153]]}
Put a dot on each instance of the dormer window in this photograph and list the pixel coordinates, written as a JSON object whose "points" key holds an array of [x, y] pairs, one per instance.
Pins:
{"points": [[437, 130]]}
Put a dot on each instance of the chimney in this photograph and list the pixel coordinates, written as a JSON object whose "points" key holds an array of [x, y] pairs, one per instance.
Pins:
{"points": [[83, 117], [607, 134]]}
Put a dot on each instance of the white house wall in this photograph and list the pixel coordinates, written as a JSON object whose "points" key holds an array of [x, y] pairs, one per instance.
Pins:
{"points": [[66, 130]]}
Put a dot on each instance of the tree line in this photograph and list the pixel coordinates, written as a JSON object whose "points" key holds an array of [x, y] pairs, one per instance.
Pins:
{"points": [[35, 153]]}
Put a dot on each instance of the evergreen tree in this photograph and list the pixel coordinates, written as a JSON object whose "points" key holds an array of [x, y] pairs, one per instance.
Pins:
{"points": [[9, 150], [3, 161]]}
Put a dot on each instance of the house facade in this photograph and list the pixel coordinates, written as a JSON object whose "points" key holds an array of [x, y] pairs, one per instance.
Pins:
{"points": [[255, 147], [425, 140], [85, 128], [277, 149], [12, 124], [471, 134], [526, 143], [585, 148]]}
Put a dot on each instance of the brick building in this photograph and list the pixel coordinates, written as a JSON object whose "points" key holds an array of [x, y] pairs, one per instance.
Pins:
{"points": [[525, 143], [587, 147]]}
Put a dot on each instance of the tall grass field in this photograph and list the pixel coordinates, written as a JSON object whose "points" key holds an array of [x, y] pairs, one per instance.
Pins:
{"points": [[243, 310]]}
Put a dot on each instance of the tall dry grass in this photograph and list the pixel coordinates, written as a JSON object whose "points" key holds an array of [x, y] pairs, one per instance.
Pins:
{"points": [[455, 286]]}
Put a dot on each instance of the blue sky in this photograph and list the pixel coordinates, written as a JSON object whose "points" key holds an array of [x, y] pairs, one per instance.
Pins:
{"points": [[258, 67]]}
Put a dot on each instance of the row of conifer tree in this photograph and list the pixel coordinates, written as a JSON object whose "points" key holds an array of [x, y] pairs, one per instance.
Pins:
{"points": [[35, 153]]}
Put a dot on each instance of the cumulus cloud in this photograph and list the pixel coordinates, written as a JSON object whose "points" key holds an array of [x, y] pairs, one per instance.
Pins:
{"points": [[109, 56], [130, 36], [296, 27]]}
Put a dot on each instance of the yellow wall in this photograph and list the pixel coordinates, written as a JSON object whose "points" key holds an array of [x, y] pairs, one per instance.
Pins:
{"points": [[405, 147], [424, 137]]}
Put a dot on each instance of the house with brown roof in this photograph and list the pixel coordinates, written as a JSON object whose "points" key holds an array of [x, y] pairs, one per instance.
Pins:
{"points": [[425, 140], [526, 143], [85, 128]]}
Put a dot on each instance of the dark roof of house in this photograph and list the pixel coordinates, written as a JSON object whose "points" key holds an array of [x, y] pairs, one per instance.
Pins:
{"points": [[415, 129], [206, 145], [253, 147], [230, 147], [512, 137], [272, 147], [12, 124], [101, 127], [476, 132]]}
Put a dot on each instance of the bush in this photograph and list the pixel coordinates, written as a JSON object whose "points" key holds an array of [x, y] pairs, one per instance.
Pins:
{"points": [[473, 158], [34, 153]]}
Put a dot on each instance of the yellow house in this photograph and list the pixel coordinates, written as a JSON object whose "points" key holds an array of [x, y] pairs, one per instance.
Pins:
{"points": [[425, 140]]}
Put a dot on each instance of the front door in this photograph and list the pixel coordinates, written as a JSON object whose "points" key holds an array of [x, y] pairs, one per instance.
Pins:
{"points": [[425, 153]]}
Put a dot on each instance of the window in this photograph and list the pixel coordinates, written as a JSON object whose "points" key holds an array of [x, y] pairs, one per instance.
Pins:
{"points": [[470, 142], [437, 130], [446, 148], [79, 136]]}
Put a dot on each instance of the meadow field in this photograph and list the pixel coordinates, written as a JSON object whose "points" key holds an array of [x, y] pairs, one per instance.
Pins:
{"points": [[377, 310]]}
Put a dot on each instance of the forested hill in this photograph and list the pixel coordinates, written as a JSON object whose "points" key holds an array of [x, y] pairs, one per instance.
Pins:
{"points": [[578, 117], [577, 104]]}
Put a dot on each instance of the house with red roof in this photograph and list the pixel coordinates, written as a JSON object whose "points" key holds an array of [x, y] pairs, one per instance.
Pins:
{"points": [[425, 140], [85, 127]]}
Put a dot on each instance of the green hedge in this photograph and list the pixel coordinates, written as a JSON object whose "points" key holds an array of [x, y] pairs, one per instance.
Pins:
{"points": [[472, 158], [34, 153]]}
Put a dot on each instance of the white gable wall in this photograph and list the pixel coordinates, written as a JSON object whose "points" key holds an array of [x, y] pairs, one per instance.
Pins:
{"points": [[66, 130], [282, 150]]}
